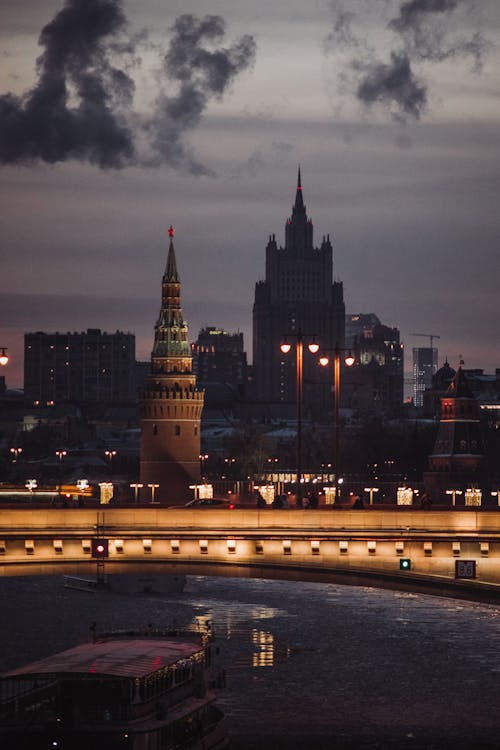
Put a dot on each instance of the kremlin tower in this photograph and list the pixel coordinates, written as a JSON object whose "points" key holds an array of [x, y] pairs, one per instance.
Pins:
{"points": [[458, 456], [170, 403]]}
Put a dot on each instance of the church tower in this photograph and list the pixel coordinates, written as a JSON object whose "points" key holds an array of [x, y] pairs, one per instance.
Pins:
{"points": [[170, 404]]}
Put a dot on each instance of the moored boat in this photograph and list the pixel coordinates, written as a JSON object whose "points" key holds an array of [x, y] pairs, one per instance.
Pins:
{"points": [[148, 690]]}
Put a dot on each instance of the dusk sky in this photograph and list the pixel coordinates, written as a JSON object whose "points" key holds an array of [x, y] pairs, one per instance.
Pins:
{"points": [[144, 114]]}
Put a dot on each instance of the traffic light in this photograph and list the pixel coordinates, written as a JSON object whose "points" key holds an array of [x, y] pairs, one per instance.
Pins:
{"points": [[405, 563], [100, 548]]}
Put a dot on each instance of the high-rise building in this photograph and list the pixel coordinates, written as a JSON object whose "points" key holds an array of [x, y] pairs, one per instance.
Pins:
{"points": [[297, 297], [171, 404], [219, 357], [93, 366], [374, 384], [425, 361]]}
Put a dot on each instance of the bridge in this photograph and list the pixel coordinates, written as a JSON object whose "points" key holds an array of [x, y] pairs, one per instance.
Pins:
{"points": [[449, 552]]}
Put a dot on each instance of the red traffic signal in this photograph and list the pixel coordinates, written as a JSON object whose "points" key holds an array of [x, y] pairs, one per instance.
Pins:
{"points": [[100, 548]]}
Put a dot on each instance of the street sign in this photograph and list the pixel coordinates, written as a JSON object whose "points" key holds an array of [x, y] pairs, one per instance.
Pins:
{"points": [[465, 568]]}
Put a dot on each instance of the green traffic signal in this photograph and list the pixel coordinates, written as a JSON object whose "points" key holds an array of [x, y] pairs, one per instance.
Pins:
{"points": [[405, 563]]}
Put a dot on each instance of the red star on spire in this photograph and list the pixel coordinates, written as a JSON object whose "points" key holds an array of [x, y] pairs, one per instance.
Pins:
{"points": [[171, 231]]}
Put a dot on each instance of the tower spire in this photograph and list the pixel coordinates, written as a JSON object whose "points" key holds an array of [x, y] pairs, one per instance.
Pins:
{"points": [[171, 274], [299, 200]]}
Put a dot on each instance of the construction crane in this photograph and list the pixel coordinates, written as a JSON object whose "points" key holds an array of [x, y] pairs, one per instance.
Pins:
{"points": [[430, 336]]}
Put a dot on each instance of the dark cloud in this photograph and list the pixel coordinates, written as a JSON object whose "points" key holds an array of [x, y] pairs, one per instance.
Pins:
{"points": [[424, 32], [394, 85], [75, 66], [425, 29], [202, 73], [82, 104]]}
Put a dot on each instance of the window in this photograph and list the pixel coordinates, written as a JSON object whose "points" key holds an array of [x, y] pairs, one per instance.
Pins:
{"points": [[177, 429], [155, 429]]}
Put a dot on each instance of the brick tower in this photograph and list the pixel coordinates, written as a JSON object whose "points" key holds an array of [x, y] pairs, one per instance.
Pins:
{"points": [[457, 459], [170, 403]]}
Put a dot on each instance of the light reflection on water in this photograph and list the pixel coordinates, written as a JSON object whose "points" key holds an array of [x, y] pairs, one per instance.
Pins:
{"points": [[263, 655]]}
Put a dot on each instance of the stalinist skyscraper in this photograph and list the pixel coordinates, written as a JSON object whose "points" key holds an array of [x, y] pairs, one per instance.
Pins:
{"points": [[171, 404], [297, 295]]}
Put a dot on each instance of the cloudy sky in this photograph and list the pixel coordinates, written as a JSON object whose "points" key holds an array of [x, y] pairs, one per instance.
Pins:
{"points": [[118, 119]]}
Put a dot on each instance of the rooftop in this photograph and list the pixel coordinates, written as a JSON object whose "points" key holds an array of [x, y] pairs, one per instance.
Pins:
{"points": [[136, 657]]}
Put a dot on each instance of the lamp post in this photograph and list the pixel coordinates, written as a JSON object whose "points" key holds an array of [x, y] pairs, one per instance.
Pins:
{"points": [[496, 493], [203, 457], [324, 361], [371, 490], [299, 350], [4, 357], [16, 452], [31, 484], [137, 486], [153, 486], [453, 494], [110, 456]]}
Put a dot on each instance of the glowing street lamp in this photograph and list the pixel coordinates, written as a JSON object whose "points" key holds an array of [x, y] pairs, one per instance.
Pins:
{"points": [[371, 490], [299, 348], [137, 486], [16, 452], [153, 486], [324, 361], [110, 456], [60, 455], [496, 493], [4, 357], [203, 457], [31, 484], [454, 494]]}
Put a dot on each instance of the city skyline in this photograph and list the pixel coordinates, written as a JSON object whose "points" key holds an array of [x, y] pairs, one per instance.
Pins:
{"points": [[391, 109]]}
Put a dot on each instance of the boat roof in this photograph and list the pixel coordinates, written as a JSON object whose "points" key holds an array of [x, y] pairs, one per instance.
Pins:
{"points": [[135, 657]]}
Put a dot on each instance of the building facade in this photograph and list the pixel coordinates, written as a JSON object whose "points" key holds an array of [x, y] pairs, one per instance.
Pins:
{"points": [[297, 298], [92, 366], [170, 404], [374, 385], [425, 362], [219, 358]]}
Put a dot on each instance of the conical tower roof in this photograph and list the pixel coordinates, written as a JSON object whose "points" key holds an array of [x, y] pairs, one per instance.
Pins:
{"points": [[459, 387], [171, 275]]}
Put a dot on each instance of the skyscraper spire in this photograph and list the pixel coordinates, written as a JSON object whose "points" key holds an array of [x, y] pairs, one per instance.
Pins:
{"points": [[299, 200]]}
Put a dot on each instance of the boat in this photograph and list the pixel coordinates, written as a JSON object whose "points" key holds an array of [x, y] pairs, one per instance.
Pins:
{"points": [[124, 690]]}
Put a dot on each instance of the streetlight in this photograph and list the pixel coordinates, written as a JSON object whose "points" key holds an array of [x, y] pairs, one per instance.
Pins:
{"points": [[203, 457], [496, 493], [31, 484], [299, 348], [4, 357], [371, 490], [15, 452], [137, 486], [454, 493], [60, 455], [324, 361], [153, 487], [110, 456]]}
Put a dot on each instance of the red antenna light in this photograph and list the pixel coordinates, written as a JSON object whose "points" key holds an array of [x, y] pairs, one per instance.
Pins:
{"points": [[171, 231]]}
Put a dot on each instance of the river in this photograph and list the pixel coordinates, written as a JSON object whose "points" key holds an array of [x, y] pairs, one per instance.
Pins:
{"points": [[307, 665]]}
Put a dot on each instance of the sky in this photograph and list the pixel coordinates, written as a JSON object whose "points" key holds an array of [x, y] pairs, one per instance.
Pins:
{"points": [[118, 119]]}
